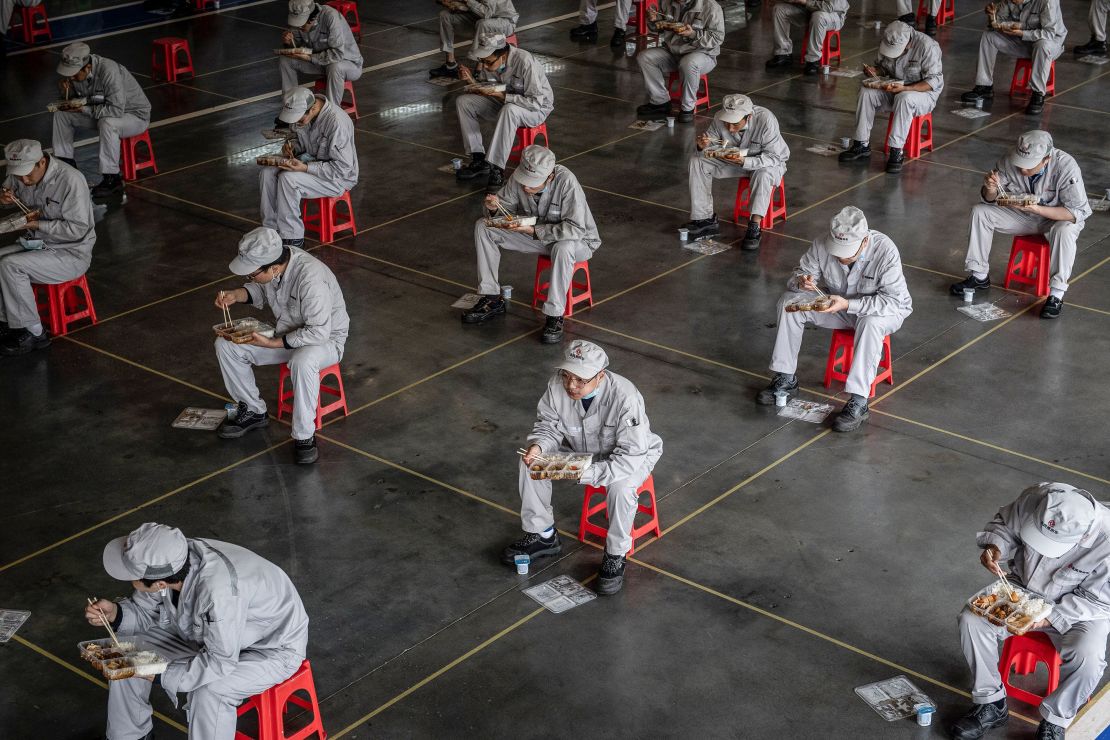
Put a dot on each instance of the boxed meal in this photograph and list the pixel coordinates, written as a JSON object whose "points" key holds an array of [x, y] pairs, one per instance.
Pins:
{"points": [[560, 466], [724, 152], [1006, 26], [293, 51], [273, 160], [1017, 199], [63, 105], [487, 86], [877, 82], [17, 222], [1013, 607], [128, 659], [241, 330], [505, 221], [808, 302]]}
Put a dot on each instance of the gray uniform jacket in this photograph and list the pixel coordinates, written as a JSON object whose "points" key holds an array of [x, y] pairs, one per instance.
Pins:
{"points": [[525, 82], [330, 140], [761, 137], [330, 39], [920, 63], [121, 92], [874, 286], [840, 7], [561, 209], [494, 9], [306, 301], [62, 196], [232, 600], [615, 427], [704, 16], [1060, 185], [1039, 19], [1075, 582]]}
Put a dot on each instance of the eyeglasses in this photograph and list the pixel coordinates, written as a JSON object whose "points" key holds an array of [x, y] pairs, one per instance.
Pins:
{"points": [[255, 274], [574, 380]]}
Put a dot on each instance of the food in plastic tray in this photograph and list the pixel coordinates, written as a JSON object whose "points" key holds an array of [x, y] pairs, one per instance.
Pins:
{"points": [[504, 222], [487, 86], [675, 26], [241, 330], [1006, 26], [71, 104], [277, 134], [1031, 612], [1017, 199], [455, 5], [560, 466], [18, 222], [809, 303], [1014, 607], [724, 152], [877, 82], [293, 51], [127, 660], [275, 161]]}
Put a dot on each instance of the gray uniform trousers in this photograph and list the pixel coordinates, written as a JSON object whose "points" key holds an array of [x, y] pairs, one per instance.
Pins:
{"points": [[7, 7], [1096, 19], [587, 13], [905, 105], [20, 267], [509, 117], [704, 170], [820, 22], [237, 363], [658, 63], [282, 192], [986, 219], [1043, 53], [336, 74], [482, 27], [211, 709], [1082, 649], [867, 348], [111, 131], [489, 243], [909, 7]]}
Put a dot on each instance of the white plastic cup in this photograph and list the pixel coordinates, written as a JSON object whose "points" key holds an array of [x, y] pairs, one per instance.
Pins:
{"points": [[629, 48], [825, 69], [969, 295], [780, 398], [979, 103], [232, 410], [683, 235], [925, 714], [846, 142], [878, 25], [507, 292], [670, 121], [456, 163], [522, 562]]}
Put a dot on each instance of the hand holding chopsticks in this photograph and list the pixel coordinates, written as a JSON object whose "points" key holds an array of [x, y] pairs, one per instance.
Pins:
{"points": [[99, 613], [536, 457]]}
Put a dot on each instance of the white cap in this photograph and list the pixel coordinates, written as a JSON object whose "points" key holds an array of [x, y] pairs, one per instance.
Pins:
{"points": [[536, 164], [486, 44], [1032, 147], [299, 12], [258, 248], [583, 359], [896, 37], [22, 156], [74, 57], [847, 231], [734, 108], [295, 103], [152, 551], [1063, 518]]}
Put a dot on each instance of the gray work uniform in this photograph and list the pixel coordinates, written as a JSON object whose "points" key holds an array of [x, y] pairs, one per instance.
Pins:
{"points": [[587, 13], [327, 144], [690, 57], [919, 63], [238, 628], [1060, 185], [565, 232], [7, 7], [487, 16], [909, 7], [66, 229], [528, 102], [821, 15], [335, 55], [312, 317], [125, 112], [1042, 39], [878, 303], [1096, 19], [1075, 583], [765, 164], [616, 430]]}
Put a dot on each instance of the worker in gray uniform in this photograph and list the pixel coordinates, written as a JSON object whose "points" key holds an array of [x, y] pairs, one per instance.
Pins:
{"points": [[335, 56], [117, 108], [691, 51], [1056, 540], [230, 622], [526, 101], [907, 13], [913, 58], [489, 17], [565, 231], [310, 334], [867, 293], [1039, 34], [754, 130], [820, 16], [1096, 19], [1037, 168], [587, 408], [7, 7], [586, 30], [325, 137], [56, 247]]}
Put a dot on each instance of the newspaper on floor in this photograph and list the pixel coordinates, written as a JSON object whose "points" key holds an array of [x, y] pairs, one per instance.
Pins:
{"points": [[1102, 204], [1094, 59], [442, 81], [825, 150], [984, 312], [467, 302], [448, 168], [845, 72], [648, 125], [560, 594], [970, 113], [203, 419], [10, 621], [893, 698], [811, 411], [706, 246]]}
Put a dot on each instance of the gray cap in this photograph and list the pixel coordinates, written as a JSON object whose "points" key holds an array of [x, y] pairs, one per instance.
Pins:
{"points": [[486, 44], [583, 359], [536, 164], [1032, 147], [257, 248], [1064, 516], [847, 231], [896, 37], [299, 12], [295, 103], [22, 156], [734, 108], [74, 57], [152, 551]]}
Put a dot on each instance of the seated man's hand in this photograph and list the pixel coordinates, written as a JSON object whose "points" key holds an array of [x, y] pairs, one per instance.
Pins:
{"points": [[836, 304], [287, 149], [225, 298], [268, 342], [703, 140], [894, 87], [32, 225], [295, 166], [465, 74], [1040, 624], [806, 282], [65, 85], [101, 606], [7, 197], [989, 10], [989, 559], [493, 95], [870, 71], [1013, 32], [526, 230], [1034, 209], [687, 32], [287, 38], [531, 455], [734, 158], [991, 181], [492, 202]]}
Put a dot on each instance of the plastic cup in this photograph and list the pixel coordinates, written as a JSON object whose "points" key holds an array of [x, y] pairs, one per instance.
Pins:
{"points": [[507, 292], [629, 48], [232, 410], [522, 562], [780, 398], [670, 121], [846, 142], [925, 714], [979, 103], [878, 25], [683, 235], [969, 295], [456, 163], [825, 69]]}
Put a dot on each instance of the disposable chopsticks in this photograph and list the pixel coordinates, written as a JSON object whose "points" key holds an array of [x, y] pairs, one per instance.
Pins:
{"points": [[104, 621]]}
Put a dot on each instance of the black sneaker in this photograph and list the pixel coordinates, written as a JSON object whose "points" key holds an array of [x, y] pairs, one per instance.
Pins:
{"points": [[894, 161], [970, 282], [496, 179], [110, 187], [1094, 46], [617, 41], [781, 382], [532, 545], [244, 421], [487, 307], [552, 330], [777, 61], [685, 116], [445, 70], [21, 341], [811, 68], [930, 25], [1036, 104], [979, 720], [751, 236], [852, 416], [298, 243], [478, 167], [585, 32], [1052, 307], [700, 227], [1048, 731], [610, 577], [653, 110], [305, 451], [858, 150], [979, 92], [909, 19]]}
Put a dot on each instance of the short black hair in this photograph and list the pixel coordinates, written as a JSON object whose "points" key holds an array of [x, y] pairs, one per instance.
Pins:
{"points": [[178, 577], [285, 255]]}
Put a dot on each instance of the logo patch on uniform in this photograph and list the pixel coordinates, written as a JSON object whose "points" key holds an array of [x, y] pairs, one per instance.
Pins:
{"points": [[633, 422]]}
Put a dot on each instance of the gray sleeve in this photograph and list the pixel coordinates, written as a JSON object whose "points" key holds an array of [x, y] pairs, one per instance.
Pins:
{"points": [[892, 297], [224, 625], [256, 293], [574, 212], [77, 216], [480, 8], [508, 196], [768, 139], [1089, 601], [536, 89], [339, 157], [115, 94], [810, 264], [138, 613], [828, 6], [338, 32], [1072, 194], [713, 35], [1052, 25], [316, 302], [632, 446], [548, 430], [932, 69]]}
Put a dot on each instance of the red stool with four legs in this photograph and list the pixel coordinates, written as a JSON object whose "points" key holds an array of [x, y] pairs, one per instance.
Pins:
{"points": [[1022, 653], [775, 209], [350, 108], [129, 161], [919, 138], [839, 363], [1023, 73], [349, 11], [1029, 263], [285, 398], [526, 137], [28, 18], [585, 526], [164, 58], [829, 52], [324, 222], [585, 292], [273, 704], [946, 14], [674, 86], [59, 309]]}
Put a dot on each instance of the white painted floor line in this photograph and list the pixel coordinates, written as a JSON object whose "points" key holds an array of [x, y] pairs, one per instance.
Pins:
{"points": [[90, 12]]}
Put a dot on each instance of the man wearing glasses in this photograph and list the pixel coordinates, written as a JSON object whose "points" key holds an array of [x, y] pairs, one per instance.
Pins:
{"points": [[587, 409]]}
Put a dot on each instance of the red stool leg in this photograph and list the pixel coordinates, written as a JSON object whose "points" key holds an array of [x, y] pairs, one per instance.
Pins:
{"points": [[539, 294]]}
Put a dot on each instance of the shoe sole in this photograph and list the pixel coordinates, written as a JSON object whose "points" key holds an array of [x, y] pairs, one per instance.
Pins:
{"points": [[859, 158], [26, 350], [960, 292], [315, 457], [243, 430], [953, 733], [550, 339], [558, 548], [839, 428], [468, 178], [749, 247], [1050, 316], [609, 586]]}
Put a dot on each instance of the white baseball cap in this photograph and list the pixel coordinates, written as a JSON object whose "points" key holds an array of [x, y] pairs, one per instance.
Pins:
{"points": [[896, 37], [295, 104], [486, 44], [583, 359], [22, 156], [74, 57], [299, 12], [847, 231], [1032, 147], [152, 551], [1063, 518], [258, 247], [734, 108], [536, 164]]}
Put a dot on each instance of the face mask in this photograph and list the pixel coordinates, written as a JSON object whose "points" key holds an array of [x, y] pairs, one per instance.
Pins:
{"points": [[31, 244], [591, 395], [502, 68]]}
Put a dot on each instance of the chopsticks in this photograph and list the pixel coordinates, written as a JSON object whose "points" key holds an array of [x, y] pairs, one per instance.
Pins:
{"points": [[19, 203], [227, 316], [799, 273], [107, 626], [523, 452]]}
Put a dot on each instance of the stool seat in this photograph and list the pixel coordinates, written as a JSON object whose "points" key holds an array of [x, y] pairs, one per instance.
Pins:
{"points": [[585, 526], [349, 11], [273, 703], [59, 308], [585, 292], [1029, 263], [526, 137], [946, 14], [28, 18], [130, 164], [839, 363], [674, 86], [775, 209], [324, 222], [164, 58], [1023, 76], [1022, 653], [285, 398], [348, 107], [919, 138], [829, 52]]}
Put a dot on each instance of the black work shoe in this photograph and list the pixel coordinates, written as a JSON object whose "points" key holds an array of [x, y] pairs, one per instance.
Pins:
{"points": [[930, 25], [298, 243], [685, 116], [445, 70], [1048, 731], [811, 68], [751, 236], [111, 186], [979, 92], [970, 282], [21, 341], [532, 545], [894, 160], [617, 41], [852, 416], [305, 451], [1052, 307], [652, 110], [478, 167], [777, 61], [585, 32], [909, 19], [496, 179], [552, 330], [1036, 104], [981, 718], [1094, 46], [700, 227], [781, 382], [487, 307], [858, 150], [244, 421], [610, 577]]}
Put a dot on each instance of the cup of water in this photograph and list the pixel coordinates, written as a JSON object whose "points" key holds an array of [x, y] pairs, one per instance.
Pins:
{"points": [[780, 398], [507, 292], [522, 562], [232, 410], [670, 121], [924, 714], [969, 295], [979, 103], [825, 69], [629, 48], [456, 164], [845, 142], [683, 235]]}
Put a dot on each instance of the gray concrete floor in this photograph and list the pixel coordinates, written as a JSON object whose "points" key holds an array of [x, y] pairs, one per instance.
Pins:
{"points": [[795, 564]]}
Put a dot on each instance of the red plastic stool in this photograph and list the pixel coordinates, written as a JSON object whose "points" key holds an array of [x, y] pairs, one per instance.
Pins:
{"points": [[28, 17], [585, 526], [129, 159], [323, 222], [1022, 653], [840, 359], [349, 11], [1029, 263], [946, 14], [200, 5], [676, 90], [585, 292], [828, 53], [526, 137], [59, 309], [1023, 73], [285, 399], [776, 208], [511, 40], [351, 108], [164, 58], [273, 703], [918, 140], [642, 7]]}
